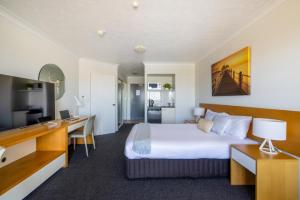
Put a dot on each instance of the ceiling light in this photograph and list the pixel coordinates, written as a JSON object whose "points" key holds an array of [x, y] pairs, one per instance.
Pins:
{"points": [[101, 33], [140, 49], [135, 4]]}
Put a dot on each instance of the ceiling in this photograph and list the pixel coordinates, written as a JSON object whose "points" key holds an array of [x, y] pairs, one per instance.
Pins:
{"points": [[131, 69], [171, 30]]}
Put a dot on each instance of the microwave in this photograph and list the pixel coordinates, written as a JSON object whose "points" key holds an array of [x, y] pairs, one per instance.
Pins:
{"points": [[154, 86]]}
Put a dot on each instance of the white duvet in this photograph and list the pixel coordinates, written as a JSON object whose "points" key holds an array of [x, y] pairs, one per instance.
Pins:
{"points": [[184, 141]]}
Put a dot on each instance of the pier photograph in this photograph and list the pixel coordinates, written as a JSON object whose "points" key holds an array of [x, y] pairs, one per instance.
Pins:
{"points": [[231, 76]]}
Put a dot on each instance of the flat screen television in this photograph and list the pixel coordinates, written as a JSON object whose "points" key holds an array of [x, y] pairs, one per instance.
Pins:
{"points": [[24, 102]]}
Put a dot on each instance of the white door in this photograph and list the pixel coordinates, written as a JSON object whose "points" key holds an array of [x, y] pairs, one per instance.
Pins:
{"points": [[103, 103]]}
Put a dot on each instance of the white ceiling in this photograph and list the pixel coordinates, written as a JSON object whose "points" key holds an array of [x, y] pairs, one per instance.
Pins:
{"points": [[132, 69], [171, 30]]}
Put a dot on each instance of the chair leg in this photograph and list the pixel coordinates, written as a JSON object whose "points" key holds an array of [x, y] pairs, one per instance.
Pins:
{"points": [[93, 138], [86, 148], [74, 143]]}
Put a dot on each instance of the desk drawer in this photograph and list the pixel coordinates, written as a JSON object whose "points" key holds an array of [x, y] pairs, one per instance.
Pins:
{"points": [[243, 160], [78, 125]]}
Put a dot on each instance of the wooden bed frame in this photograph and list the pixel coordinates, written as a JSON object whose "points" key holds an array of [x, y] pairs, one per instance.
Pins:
{"points": [[291, 145], [197, 168]]}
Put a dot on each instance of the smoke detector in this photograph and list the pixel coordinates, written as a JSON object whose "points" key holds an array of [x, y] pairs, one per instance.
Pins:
{"points": [[101, 33], [135, 4], [140, 49]]}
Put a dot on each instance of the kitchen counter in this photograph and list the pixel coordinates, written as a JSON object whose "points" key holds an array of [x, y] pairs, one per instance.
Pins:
{"points": [[161, 114]]}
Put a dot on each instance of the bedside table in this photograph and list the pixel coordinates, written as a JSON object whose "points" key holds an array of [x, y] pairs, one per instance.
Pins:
{"points": [[274, 176], [190, 121]]}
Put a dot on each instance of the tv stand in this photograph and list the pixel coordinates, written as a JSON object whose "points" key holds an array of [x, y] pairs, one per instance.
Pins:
{"points": [[22, 176]]}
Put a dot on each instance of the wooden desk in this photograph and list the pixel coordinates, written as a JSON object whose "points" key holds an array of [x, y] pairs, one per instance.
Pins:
{"points": [[275, 176], [23, 175]]}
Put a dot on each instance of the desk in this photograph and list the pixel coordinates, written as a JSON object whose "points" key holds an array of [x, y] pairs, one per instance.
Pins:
{"points": [[24, 174], [76, 124], [275, 176]]}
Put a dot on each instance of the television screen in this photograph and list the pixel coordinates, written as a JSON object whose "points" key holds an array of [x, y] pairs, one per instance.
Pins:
{"points": [[25, 102]]}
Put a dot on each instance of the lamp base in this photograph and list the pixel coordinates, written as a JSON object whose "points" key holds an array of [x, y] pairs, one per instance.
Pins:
{"points": [[268, 148]]}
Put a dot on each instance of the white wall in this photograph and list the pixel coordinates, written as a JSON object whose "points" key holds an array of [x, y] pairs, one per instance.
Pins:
{"points": [[88, 67], [122, 74], [275, 64], [132, 80], [23, 52], [184, 84]]}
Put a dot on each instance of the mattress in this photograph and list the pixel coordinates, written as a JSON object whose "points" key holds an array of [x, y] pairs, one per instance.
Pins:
{"points": [[184, 141]]}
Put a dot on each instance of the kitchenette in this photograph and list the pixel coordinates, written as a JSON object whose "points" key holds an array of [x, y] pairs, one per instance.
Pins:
{"points": [[161, 98]]}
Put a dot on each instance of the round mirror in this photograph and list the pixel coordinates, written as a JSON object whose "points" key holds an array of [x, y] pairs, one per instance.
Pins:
{"points": [[53, 74]]}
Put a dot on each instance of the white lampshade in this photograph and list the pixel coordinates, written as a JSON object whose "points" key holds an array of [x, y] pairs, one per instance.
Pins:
{"points": [[77, 101], [269, 129], [198, 111]]}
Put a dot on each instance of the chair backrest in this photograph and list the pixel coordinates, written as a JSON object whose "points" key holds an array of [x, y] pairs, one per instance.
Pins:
{"points": [[89, 126]]}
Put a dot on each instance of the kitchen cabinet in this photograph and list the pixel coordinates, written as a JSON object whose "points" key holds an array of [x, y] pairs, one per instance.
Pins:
{"points": [[168, 115]]}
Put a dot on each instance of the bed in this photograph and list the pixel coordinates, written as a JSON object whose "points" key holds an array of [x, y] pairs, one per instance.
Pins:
{"points": [[179, 150]]}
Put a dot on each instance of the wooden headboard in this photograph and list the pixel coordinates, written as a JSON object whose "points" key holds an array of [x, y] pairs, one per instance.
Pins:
{"points": [[291, 145]]}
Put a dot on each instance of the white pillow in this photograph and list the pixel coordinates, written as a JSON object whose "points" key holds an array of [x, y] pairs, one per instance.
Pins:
{"points": [[220, 123], [239, 126], [210, 115]]}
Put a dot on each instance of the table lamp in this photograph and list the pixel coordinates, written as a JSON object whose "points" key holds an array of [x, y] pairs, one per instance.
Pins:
{"points": [[269, 129], [78, 104], [198, 112]]}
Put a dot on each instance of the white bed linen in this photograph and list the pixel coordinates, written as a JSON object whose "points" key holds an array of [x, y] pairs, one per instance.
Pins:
{"points": [[184, 141]]}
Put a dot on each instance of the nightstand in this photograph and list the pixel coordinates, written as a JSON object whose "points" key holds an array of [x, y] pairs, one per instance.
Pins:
{"points": [[190, 121], [274, 176]]}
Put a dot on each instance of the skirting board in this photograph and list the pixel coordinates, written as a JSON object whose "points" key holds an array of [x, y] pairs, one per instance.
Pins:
{"points": [[24, 188]]}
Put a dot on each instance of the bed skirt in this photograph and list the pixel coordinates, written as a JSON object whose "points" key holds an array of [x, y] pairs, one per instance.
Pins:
{"points": [[176, 168]]}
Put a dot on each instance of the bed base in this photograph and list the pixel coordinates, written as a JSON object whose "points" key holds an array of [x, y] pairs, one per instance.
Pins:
{"points": [[177, 168]]}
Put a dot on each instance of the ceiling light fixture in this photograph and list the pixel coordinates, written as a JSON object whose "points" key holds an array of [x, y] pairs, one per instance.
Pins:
{"points": [[101, 33], [135, 4], [140, 49]]}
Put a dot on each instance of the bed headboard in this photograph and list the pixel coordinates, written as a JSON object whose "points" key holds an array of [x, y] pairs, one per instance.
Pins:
{"points": [[291, 145]]}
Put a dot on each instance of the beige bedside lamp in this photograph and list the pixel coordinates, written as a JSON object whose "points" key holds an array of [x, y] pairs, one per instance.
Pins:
{"points": [[269, 129]]}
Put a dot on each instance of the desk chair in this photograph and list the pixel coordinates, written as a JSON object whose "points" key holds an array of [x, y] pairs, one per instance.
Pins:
{"points": [[87, 130]]}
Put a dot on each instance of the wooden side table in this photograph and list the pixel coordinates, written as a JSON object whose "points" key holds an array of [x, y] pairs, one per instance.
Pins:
{"points": [[192, 121], [275, 176]]}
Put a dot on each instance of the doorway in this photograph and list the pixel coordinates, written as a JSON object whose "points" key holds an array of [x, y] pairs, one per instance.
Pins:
{"points": [[103, 102], [120, 102], [137, 102]]}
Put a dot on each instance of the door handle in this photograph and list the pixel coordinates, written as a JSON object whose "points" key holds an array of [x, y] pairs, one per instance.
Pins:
{"points": [[114, 104]]}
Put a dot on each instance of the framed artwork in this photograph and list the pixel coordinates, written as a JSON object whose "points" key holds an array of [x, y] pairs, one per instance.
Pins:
{"points": [[231, 75]]}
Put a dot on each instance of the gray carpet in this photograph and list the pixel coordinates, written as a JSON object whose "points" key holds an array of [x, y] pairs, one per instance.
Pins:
{"points": [[102, 176]]}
